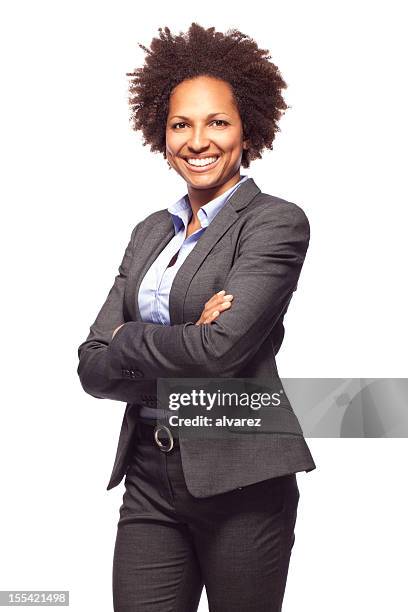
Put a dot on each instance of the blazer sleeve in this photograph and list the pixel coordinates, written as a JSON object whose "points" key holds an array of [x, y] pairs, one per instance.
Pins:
{"points": [[272, 249], [93, 368]]}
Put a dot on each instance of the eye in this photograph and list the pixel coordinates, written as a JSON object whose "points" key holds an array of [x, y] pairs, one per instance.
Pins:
{"points": [[182, 123], [220, 121]]}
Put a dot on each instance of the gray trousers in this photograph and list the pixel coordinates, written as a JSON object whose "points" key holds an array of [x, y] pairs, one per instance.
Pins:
{"points": [[170, 544]]}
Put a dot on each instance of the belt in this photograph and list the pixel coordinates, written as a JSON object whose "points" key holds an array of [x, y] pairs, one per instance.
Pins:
{"points": [[162, 435]]}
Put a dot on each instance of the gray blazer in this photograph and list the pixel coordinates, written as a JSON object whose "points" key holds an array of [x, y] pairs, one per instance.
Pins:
{"points": [[254, 248]]}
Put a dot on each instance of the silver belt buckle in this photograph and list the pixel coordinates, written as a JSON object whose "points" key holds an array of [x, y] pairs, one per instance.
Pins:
{"points": [[159, 443]]}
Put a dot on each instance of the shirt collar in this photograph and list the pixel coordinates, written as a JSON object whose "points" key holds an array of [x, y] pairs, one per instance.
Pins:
{"points": [[181, 210]]}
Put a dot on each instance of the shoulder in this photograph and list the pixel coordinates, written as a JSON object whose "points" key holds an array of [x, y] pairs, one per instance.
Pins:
{"points": [[272, 211], [151, 222], [274, 205], [155, 217]]}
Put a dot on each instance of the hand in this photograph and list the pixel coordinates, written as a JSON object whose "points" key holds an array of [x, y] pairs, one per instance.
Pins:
{"points": [[215, 305], [115, 330]]}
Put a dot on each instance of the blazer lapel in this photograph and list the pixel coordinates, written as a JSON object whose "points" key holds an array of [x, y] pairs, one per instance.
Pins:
{"points": [[164, 232], [218, 226]]}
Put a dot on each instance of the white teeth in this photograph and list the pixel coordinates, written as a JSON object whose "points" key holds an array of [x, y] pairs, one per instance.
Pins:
{"points": [[201, 162]]}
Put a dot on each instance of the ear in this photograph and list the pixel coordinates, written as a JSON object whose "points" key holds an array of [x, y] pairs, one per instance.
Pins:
{"points": [[245, 144]]}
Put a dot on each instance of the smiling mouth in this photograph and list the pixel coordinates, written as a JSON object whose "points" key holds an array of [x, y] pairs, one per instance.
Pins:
{"points": [[201, 165]]}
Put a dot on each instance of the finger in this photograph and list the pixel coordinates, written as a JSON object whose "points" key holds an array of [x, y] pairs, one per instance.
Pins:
{"points": [[212, 316], [225, 298], [214, 299], [224, 305]]}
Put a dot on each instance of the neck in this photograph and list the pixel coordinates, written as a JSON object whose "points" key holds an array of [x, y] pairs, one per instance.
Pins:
{"points": [[199, 197]]}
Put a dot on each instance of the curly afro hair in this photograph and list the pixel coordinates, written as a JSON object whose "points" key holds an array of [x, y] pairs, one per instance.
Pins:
{"points": [[233, 57]]}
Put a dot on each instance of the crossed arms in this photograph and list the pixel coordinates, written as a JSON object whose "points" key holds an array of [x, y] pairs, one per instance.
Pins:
{"points": [[271, 253]]}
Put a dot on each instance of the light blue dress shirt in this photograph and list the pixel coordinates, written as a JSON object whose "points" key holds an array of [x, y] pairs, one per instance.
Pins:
{"points": [[153, 297]]}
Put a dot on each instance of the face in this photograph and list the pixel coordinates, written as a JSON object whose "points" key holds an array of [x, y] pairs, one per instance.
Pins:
{"points": [[204, 137]]}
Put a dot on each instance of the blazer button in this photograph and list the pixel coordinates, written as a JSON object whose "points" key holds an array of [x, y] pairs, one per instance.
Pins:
{"points": [[125, 372]]}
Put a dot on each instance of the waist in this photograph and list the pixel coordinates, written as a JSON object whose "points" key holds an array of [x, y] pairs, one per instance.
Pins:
{"points": [[152, 413]]}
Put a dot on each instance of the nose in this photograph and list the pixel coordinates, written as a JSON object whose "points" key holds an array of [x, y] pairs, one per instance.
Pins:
{"points": [[198, 140]]}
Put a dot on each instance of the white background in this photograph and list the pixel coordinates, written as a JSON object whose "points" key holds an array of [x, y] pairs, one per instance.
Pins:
{"points": [[76, 180]]}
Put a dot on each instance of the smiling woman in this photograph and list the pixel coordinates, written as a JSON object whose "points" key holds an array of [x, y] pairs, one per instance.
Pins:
{"points": [[205, 148], [255, 84], [202, 291]]}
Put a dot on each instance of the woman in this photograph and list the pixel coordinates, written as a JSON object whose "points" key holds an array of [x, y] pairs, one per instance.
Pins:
{"points": [[201, 293]]}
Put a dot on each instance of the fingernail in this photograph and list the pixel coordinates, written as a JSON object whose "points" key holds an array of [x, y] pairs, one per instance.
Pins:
{"points": [[222, 291], [228, 297], [216, 313]]}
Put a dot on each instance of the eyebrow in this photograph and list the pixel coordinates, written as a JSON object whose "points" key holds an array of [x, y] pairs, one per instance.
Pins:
{"points": [[208, 116]]}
